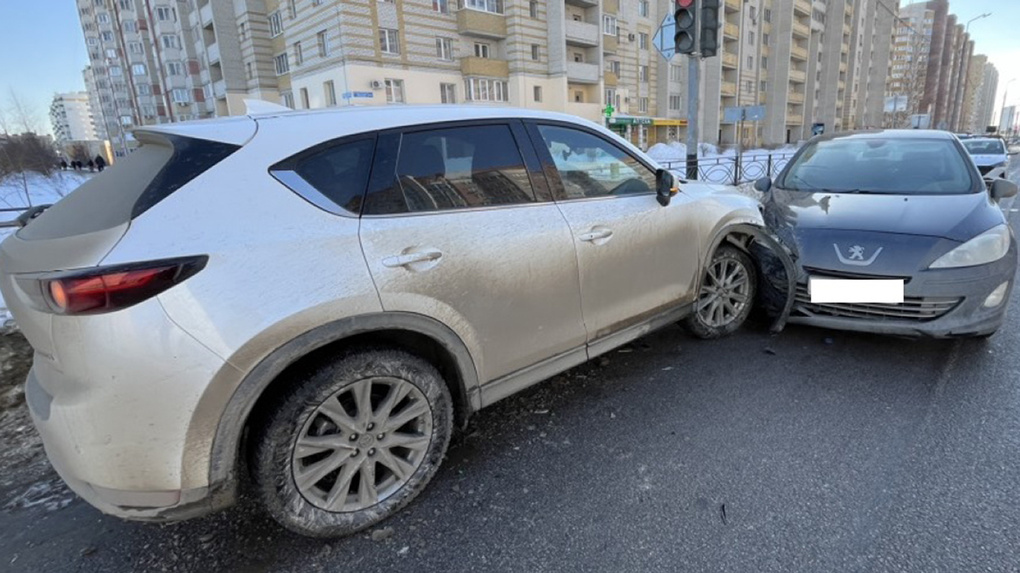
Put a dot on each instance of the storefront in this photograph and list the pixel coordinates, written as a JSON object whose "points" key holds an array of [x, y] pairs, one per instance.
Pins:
{"points": [[645, 132]]}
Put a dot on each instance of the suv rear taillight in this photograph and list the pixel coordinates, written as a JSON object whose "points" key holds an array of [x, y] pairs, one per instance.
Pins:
{"points": [[106, 289]]}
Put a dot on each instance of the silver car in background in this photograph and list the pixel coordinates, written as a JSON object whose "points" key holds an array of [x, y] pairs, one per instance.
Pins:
{"points": [[318, 298]]}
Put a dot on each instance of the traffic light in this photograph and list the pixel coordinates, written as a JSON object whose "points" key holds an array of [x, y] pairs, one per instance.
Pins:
{"points": [[709, 28], [686, 26]]}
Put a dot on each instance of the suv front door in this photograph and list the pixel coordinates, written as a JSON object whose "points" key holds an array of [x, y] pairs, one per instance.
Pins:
{"points": [[453, 229], [637, 259]]}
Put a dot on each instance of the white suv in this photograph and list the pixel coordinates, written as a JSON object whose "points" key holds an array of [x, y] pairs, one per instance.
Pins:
{"points": [[318, 298]]}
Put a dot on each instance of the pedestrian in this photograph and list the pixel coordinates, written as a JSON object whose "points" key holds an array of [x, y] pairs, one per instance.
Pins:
{"points": [[74, 165], [100, 163], [92, 165], [63, 165]]}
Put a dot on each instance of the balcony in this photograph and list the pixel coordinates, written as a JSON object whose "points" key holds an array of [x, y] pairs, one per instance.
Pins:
{"points": [[582, 34], [583, 3], [794, 119], [610, 44], [205, 15], [729, 60], [801, 30], [582, 73], [731, 31], [796, 98], [213, 52], [798, 53], [728, 89], [487, 67], [610, 79], [732, 5], [797, 77], [842, 68], [802, 7], [219, 89], [481, 24]]}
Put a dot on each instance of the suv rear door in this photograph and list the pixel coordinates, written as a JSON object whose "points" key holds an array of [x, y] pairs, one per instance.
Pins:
{"points": [[457, 226]]}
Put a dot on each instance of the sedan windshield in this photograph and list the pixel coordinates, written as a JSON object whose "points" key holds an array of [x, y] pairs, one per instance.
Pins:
{"points": [[888, 165], [984, 147]]}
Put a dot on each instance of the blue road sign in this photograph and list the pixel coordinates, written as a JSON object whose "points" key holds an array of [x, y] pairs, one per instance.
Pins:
{"points": [[663, 39]]}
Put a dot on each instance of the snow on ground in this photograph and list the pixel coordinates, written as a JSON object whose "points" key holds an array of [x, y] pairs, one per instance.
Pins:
{"points": [[716, 165], [41, 190]]}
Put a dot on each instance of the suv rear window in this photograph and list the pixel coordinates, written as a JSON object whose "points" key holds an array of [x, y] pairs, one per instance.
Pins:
{"points": [[130, 187]]}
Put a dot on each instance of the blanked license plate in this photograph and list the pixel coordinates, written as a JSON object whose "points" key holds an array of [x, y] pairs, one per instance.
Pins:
{"points": [[860, 291]]}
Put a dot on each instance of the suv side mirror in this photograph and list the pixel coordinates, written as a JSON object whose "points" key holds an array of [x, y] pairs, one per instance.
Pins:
{"points": [[1003, 188], [763, 185], [665, 186]]}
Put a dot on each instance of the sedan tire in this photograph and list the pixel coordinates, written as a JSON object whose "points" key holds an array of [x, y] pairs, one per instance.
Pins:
{"points": [[352, 443]]}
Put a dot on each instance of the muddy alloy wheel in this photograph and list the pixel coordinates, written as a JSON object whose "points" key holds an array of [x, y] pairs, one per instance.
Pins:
{"points": [[351, 442], [726, 295]]}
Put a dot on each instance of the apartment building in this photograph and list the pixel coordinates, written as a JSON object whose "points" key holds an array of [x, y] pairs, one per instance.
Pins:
{"points": [[71, 118], [143, 65], [982, 100], [908, 72]]}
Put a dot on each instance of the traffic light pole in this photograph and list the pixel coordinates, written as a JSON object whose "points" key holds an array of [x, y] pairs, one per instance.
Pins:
{"points": [[693, 69]]}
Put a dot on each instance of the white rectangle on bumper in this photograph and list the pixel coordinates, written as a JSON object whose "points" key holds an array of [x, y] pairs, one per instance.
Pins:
{"points": [[850, 291]]}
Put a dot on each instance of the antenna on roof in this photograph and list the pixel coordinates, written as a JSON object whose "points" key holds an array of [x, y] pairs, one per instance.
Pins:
{"points": [[258, 106]]}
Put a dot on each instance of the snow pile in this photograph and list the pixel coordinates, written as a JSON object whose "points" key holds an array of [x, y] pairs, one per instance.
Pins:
{"points": [[41, 190], [675, 151]]}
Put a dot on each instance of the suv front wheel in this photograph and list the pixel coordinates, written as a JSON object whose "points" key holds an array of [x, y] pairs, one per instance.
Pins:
{"points": [[726, 295], [352, 443]]}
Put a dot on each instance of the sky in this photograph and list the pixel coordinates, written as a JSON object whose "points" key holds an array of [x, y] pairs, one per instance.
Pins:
{"points": [[44, 51]]}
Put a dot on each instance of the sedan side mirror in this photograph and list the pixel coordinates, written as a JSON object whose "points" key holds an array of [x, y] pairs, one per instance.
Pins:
{"points": [[763, 185], [665, 186], [1003, 188]]}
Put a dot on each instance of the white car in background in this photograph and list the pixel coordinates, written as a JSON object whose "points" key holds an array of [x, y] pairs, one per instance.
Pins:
{"points": [[989, 154]]}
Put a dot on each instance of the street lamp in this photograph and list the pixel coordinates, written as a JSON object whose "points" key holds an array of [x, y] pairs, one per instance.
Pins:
{"points": [[1005, 93]]}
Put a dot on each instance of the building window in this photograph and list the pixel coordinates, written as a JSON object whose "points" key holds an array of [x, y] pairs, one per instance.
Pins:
{"points": [[138, 69], [143, 89], [249, 70], [125, 5], [329, 90], [754, 12], [764, 62], [291, 9], [304, 98], [299, 56], [166, 14], [642, 73], [275, 24], [103, 18], [111, 53], [107, 36], [441, 6], [674, 73], [126, 120], [609, 25], [484, 89], [534, 52], [92, 41], [282, 64], [750, 61], [643, 8], [389, 41], [116, 71], [610, 97], [481, 50], [322, 38], [643, 105], [171, 41], [444, 49], [533, 9], [394, 91], [767, 15], [749, 86], [494, 6], [180, 95], [643, 40], [129, 26], [765, 39], [448, 93], [750, 38], [288, 99], [764, 86], [674, 102], [135, 48]]}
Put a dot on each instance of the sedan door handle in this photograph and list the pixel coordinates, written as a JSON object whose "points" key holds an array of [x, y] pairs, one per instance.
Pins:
{"points": [[595, 235], [411, 258]]}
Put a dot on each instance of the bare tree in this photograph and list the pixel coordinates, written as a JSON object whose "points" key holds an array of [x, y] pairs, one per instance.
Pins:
{"points": [[21, 149]]}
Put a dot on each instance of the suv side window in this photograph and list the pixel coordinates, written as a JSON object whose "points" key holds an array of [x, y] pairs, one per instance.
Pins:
{"points": [[452, 168], [590, 166], [330, 176]]}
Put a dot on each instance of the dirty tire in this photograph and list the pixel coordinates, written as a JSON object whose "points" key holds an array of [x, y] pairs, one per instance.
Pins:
{"points": [[274, 452], [730, 260]]}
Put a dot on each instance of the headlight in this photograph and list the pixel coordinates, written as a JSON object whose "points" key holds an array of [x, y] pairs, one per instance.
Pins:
{"points": [[987, 247]]}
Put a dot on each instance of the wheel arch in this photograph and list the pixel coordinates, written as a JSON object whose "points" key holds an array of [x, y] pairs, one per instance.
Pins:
{"points": [[415, 333]]}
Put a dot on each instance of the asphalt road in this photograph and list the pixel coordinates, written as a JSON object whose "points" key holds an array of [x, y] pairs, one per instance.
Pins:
{"points": [[807, 451]]}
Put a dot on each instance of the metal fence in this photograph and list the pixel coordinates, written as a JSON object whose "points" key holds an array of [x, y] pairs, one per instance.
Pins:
{"points": [[734, 170]]}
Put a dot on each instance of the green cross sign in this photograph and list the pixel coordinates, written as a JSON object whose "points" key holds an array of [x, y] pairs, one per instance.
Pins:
{"points": [[609, 110]]}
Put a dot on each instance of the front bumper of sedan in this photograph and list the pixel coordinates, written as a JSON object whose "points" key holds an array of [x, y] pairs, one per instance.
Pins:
{"points": [[942, 303]]}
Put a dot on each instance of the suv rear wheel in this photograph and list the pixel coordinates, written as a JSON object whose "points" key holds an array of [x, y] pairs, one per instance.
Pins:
{"points": [[726, 295], [352, 443]]}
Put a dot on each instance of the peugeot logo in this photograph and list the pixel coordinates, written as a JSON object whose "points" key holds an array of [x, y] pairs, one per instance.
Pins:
{"points": [[855, 256]]}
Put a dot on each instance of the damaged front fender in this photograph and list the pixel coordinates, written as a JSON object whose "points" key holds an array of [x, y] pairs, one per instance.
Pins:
{"points": [[773, 258]]}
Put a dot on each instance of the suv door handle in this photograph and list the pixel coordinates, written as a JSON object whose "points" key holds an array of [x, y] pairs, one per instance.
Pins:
{"points": [[411, 258], [595, 235]]}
